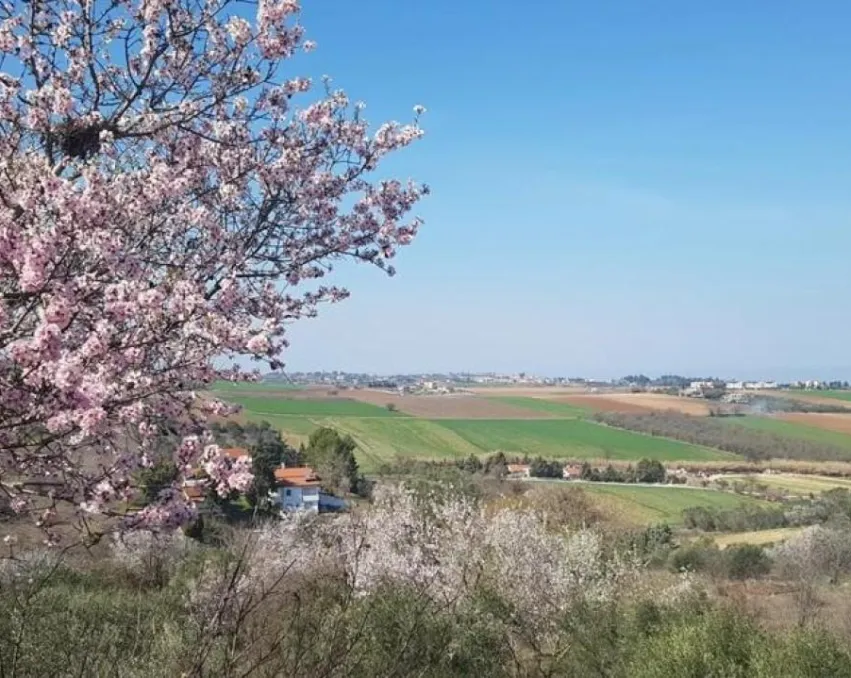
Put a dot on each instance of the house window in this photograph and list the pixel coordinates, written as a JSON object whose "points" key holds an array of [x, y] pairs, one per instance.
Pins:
{"points": [[287, 493]]}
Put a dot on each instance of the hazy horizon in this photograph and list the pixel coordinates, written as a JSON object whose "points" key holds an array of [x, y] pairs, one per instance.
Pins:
{"points": [[779, 374]]}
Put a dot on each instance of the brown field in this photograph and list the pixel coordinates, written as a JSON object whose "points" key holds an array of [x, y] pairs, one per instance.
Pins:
{"points": [[662, 402], [637, 403], [841, 423], [545, 392], [447, 406]]}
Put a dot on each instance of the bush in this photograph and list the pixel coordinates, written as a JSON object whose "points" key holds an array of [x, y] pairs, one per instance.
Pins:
{"points": [[701, 556], [741, 519], [719, 644], [650, 471], [746, 561], [540, 468]]}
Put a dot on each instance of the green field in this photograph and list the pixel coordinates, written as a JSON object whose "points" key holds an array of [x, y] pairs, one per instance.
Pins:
{"points": [[573, 438], [836, 395], [382, 435], [789, 429], [539, 405], [662, 504], [270, 406], [383, 439], [247, 387]]}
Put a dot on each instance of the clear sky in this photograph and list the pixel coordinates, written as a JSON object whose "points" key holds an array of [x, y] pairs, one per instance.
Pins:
{"points": [[617, 186]]}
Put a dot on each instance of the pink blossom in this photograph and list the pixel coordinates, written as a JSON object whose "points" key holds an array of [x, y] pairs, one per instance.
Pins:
{"points": [[92, 420], [240, 30], [19, 504], [258, 344], [147, 244]]}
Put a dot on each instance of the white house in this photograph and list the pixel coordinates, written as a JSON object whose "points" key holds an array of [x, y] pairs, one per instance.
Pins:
{"points": [[518, 470], [572, 472], [298, 489]]}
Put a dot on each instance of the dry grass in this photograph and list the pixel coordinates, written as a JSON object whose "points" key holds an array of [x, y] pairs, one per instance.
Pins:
{"points": [[838, 469], [761, 537], [797, 484], [662, 402], [528, 391]]}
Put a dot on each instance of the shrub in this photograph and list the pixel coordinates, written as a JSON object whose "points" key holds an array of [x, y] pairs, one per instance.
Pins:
{"points": [[746, 561], [650, 471], [701, 556]]}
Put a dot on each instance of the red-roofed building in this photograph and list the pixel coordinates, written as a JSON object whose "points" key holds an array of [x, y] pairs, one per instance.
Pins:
{"points": [[193, 492], [299, 489], [518, 470], [235, 452], [297, 476], [572, 472]]}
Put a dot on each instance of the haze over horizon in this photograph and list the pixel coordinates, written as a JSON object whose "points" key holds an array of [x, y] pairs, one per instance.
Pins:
{"points": [[656, 188]]}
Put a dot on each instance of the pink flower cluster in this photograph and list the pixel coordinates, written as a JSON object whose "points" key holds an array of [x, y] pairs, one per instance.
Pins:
{"points": [[227, 474], [165, 209]]}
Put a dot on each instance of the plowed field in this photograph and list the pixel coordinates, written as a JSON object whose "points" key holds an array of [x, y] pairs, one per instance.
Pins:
{"points": [[637, 403]]}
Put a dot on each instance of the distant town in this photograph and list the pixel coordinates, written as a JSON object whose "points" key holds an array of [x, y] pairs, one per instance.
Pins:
{"points": [[707, 387]]}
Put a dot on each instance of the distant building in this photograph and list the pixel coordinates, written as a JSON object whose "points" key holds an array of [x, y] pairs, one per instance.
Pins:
{"points": [[761, 385], [518, 471], [700, 385], [235, 452], [299, 489], [572, 472]]}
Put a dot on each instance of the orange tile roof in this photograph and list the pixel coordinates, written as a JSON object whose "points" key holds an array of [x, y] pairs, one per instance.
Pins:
{"points": [[518, 468], [194, 493], [235, 452], [296, 476]]}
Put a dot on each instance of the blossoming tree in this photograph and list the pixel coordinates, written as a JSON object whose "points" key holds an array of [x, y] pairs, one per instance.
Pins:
{"points": [[163, 204]]}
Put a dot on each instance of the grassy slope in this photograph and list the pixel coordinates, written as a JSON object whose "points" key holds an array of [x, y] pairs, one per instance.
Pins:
{"points": [[573, 438], [309, 407], [380, 439], [661, 504], [383, 439], [539, 405], [789, 429]]}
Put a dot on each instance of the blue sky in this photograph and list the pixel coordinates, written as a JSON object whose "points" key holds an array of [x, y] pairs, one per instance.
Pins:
{"points": [[617, 187]]}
